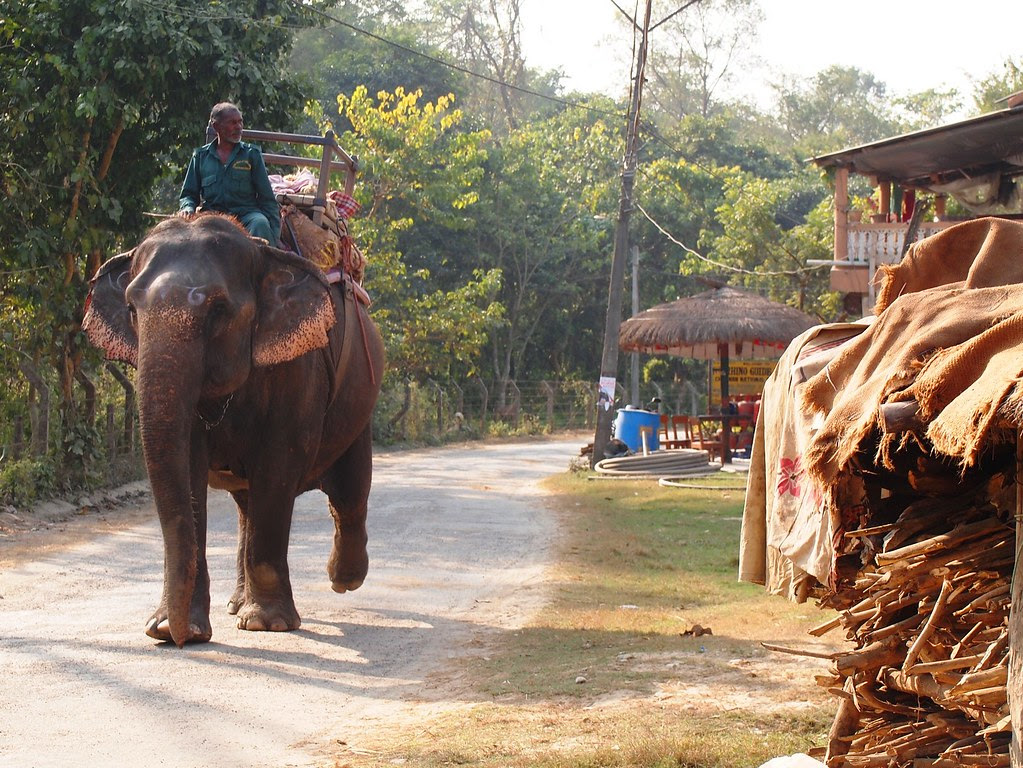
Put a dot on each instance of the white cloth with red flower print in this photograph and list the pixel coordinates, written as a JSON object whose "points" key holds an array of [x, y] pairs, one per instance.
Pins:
{"points": [[786, 536]]}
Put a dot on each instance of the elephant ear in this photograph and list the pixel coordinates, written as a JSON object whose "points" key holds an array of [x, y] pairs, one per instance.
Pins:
{"points": [[107, 322], [294, 308]]}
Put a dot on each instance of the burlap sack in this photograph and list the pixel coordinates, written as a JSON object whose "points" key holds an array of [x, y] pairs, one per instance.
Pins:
{"points": [[319, 245], [979, 253], [956, 347]]}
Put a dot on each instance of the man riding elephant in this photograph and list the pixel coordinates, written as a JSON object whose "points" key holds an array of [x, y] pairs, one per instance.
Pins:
{"points": [[229, 176]]}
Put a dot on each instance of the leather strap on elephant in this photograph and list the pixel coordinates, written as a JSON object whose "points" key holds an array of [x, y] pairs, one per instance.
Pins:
{"points": [[352, 317]]}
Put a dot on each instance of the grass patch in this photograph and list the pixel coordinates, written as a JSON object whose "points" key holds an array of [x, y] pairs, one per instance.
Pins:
{"points": [[609, 672]]}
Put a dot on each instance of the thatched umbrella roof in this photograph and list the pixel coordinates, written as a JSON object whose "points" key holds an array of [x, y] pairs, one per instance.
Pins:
{"points": [[697, 326]]}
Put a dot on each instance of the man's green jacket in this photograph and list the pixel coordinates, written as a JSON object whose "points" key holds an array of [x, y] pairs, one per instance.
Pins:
{"points": [[239, 187]]}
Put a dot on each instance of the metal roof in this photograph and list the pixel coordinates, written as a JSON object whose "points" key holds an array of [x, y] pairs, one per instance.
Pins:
{"points": [[988, 143]]}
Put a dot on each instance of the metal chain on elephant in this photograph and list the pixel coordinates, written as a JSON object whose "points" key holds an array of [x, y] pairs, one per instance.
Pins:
{"points": [[213, 424]]}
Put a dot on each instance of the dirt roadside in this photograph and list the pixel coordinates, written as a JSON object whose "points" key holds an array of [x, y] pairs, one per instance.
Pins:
{"points": [[459, 542]]}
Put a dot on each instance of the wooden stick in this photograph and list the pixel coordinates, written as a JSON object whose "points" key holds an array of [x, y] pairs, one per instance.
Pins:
{"points": [[847, 718], [901, 417], [980, 679], [943, 666], [875, 655], [915, 685], [1001, 589], [968, 637], [928, 628], [958, 535], [798, 651]]}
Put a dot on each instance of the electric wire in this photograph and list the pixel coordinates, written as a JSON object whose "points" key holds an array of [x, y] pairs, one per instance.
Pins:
{"points": [[721, 265], [459, 68]]}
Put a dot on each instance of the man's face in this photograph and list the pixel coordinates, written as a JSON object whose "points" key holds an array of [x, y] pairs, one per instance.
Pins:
{"points": [[229, 127]]}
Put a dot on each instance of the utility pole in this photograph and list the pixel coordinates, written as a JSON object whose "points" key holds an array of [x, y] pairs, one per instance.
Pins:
{"points": [[635, 311], [609, 359]]}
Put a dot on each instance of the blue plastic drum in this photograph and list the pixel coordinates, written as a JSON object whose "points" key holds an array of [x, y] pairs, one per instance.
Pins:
{"points": [[627, 426]]}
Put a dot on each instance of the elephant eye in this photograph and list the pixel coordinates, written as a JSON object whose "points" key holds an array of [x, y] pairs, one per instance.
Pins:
{"points": [[218, 311], [132, 315]]}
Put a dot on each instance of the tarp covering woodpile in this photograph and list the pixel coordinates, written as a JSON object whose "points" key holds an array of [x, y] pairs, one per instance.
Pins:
{"points": [[883, 485]]}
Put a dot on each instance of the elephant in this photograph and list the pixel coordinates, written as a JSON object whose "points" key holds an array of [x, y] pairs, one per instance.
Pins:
{"points": [[255, 376]]}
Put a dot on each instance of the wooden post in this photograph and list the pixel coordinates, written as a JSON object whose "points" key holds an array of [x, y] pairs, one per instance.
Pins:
{"points": [[460, 402], [484, 402], [841, 214], [1014, 688], [129, 406], [886, 199], [90, 396], [939, 206], [726, 422], [516, 402], [111, 433], [549, 390], [613, 318], [440, 405], [41, 413], [634, 357]]}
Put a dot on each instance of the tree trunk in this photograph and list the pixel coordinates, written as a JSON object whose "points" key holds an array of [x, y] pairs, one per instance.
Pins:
{"points": [[39, 414]]}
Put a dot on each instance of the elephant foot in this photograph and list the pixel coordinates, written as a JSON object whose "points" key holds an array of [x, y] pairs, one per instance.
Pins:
{"points": [[158, 628], [257, 618], [347, 569], [346, 586], [236, 602]]}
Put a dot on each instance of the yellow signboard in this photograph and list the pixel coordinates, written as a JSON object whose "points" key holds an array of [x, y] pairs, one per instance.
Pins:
{"points": [[745, 377]]}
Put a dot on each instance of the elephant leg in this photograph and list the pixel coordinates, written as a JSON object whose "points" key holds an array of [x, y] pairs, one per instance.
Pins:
{"points": [[267, 603], [200, 629], [241, 499], [347, 485]]}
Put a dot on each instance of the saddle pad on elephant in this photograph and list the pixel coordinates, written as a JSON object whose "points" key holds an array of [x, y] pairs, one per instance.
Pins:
{"points": [[325, 247]]}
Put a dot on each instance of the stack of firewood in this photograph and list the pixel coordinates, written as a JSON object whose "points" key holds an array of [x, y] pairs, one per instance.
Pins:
{"points": [[924, 596]]}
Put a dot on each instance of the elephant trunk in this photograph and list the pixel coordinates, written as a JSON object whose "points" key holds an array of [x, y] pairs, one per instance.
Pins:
{"points": [[168, 391]]}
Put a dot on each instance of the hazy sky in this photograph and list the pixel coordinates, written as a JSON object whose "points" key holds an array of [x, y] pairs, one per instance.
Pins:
{"points": [[911, 45]]}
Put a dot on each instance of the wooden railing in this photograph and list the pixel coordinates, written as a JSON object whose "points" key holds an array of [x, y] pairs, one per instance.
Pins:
{"points": [[871, 245]]}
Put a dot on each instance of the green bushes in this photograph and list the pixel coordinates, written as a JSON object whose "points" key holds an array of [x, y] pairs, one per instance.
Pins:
{"points": [[24, 481]]}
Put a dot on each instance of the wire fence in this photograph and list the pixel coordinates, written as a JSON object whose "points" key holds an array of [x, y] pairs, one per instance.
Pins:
{"points": [[429, 412]]}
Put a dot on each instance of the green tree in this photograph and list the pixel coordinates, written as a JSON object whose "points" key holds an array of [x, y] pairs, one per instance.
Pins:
{"points": [[766, 249], [99, 100], [542, 222], [418, 169], [926, 109], [372, 45], [991, 89], [837, 107], [696, 53], [485, 37]]}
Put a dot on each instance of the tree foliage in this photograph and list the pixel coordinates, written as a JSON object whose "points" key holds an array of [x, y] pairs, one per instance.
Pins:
{"points": [[418, 170], [696, 54], [837, 107], [992, 89], [100, 98]]}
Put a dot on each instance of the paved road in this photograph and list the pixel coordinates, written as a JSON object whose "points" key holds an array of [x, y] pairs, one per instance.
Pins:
{"points": [[459, 541]]}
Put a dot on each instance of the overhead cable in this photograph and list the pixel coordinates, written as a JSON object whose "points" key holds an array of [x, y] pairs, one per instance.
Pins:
{"points": [[457, 67], [721, 265]]}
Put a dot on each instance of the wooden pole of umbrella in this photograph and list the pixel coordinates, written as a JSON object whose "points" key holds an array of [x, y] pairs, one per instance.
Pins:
{"points": [[726, 422]]}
